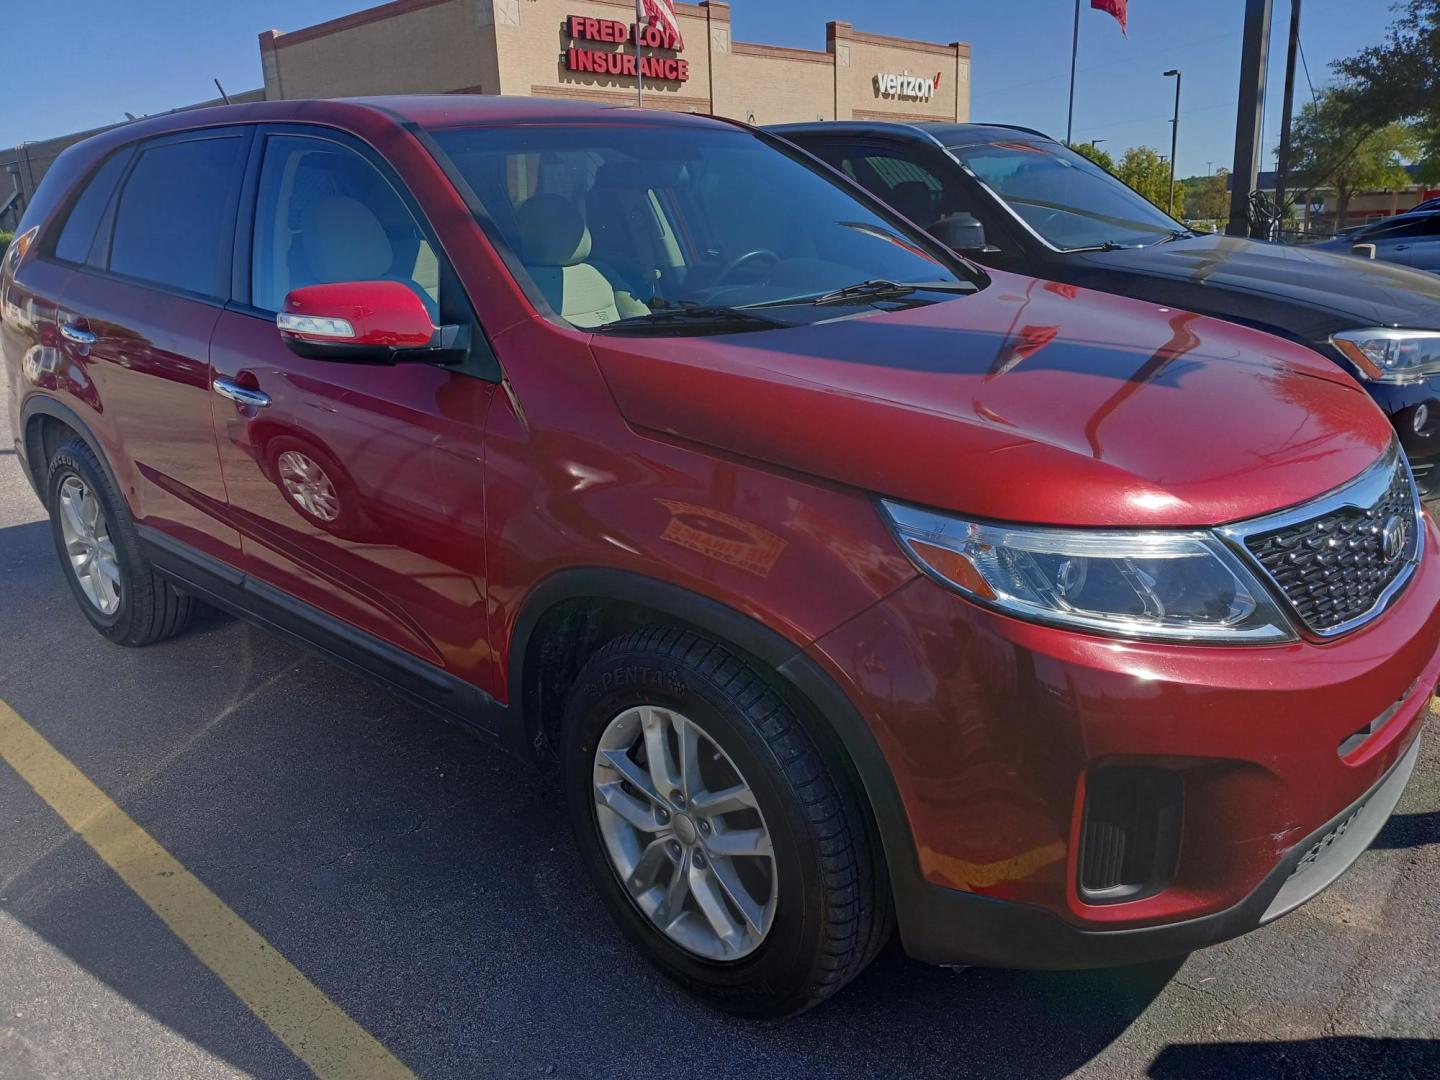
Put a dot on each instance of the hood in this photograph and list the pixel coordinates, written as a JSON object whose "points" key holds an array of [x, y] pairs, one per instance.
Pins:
{"points": [[1357, 292], [1029, 401]]}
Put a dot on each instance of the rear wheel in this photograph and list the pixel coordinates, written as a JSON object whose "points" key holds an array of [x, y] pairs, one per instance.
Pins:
{"points": [[725, 845], [100, 552]]}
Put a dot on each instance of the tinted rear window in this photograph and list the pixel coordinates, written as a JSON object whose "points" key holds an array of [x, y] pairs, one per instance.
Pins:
{"points": [[174, 219], [79, 231]]}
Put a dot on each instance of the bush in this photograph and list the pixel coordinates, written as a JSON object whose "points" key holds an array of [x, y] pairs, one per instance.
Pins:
{"points": [[5, 238]]}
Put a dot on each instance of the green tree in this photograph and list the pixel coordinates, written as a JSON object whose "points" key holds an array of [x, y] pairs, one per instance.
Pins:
{"points": [[1399, 79], [1147, 172], [1334, 144], [1206, 198], [1095, 154]]}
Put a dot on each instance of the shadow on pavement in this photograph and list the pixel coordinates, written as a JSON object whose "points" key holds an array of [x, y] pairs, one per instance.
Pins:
{"points": [[1409, 830], [1342, 1057]]}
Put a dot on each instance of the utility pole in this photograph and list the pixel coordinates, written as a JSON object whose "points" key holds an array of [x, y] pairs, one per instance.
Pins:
{"points": [[1282, 165], [1074, 53], [1174, 135], [1249, 114]]}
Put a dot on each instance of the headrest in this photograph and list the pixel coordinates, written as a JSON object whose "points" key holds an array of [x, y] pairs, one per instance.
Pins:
{"points": [[552, 232], [911, 198], [343, 240]]}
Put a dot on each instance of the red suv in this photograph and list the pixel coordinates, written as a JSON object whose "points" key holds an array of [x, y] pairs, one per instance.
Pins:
{"points": [[844, 583]]}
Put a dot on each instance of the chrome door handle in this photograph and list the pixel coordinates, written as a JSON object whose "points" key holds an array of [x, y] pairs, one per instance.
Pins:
{"points": [[227, 388], [77, 335]]}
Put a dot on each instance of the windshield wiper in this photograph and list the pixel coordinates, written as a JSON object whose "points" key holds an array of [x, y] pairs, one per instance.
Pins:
{"points": [[1108, 245], [871, 289], [1178, 234], [697, 318]]}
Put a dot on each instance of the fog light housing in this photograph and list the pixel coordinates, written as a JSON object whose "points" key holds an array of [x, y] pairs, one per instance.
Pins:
{"points": [[1130, 835]]}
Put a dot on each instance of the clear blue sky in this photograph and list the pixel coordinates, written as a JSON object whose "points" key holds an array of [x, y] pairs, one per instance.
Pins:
{"points": [[150, 55]]}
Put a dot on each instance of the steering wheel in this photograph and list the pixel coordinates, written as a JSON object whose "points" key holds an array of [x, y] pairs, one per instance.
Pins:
{"points": [[736, 263]]}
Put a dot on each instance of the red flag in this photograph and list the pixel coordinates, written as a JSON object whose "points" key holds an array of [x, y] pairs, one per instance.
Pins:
{"points": [[661, 13], [1113, 7]]}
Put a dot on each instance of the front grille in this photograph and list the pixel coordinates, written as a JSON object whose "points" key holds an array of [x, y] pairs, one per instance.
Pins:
{"points": [[1331, 560]]}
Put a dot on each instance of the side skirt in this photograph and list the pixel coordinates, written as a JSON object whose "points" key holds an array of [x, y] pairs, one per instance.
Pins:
{"points": [[224, 587]]}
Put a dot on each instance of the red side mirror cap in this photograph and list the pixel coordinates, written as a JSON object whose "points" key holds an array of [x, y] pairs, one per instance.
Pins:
{"points": [[357, 321]]}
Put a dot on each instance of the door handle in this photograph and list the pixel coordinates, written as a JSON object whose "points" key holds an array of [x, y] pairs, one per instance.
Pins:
{"points": [[228, 388], [76, 335]]}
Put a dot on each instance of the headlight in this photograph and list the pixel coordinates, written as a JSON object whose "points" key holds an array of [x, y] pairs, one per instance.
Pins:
{"points": [[1391, 356], [1179, 586]]}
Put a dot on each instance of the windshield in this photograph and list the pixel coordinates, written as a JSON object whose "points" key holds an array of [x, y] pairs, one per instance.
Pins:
{"points": [[625, 223], [1066, 198]]}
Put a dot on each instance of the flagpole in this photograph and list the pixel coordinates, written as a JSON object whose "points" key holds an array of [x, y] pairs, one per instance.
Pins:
{"points": [[1074, 52]]}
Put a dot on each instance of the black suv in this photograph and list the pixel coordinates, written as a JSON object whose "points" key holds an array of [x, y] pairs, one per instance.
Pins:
{"points": [[1016, 199]]}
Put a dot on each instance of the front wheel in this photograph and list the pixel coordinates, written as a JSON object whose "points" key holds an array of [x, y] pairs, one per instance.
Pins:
{"points": [[728, 849]]}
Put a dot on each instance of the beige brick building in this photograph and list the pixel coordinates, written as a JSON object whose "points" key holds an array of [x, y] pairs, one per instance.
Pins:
{"points": [[569, 48]]}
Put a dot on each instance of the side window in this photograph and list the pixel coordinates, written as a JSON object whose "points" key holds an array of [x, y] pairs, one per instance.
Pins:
{"points": [[78, 234], [324, 214], [174, 219]]}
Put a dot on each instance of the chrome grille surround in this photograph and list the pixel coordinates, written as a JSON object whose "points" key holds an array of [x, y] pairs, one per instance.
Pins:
{"points": [[1325, 558]]}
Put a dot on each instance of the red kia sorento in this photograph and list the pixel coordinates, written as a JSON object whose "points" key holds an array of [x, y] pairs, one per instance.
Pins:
{"points": [[843, 585]]}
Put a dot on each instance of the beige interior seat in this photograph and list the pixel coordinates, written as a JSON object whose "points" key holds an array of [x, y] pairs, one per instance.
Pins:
{"points": [[555, 247]]}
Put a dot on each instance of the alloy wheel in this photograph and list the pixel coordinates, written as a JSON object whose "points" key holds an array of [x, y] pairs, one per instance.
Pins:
{"points": [[88, 545], [308, 485], [684, 833]]}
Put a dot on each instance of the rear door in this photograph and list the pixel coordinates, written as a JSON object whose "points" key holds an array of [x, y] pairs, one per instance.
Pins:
{"points": [[358, 488], [139, 309]]}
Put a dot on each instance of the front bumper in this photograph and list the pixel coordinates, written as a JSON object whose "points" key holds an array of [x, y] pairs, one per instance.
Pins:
{"points": [[952, 927], [992, 728], [1404, 405]]}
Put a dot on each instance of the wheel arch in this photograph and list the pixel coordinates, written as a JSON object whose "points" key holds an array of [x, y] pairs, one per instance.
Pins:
{"points": [[45, 423], [572, 613]]}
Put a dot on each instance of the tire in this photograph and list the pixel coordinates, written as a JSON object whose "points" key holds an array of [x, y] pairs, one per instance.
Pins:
{"points": [[816, 869], [142, 608]]}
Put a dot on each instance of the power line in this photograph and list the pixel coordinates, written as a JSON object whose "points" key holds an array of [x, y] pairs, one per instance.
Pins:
{"points": [[1305, 64]]}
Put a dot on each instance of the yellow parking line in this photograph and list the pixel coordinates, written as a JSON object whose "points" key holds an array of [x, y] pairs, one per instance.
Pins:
{"points": [[315, 1029]]}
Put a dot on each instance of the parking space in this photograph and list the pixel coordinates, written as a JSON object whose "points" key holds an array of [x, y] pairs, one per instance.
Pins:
{"points": [[425, 886]]}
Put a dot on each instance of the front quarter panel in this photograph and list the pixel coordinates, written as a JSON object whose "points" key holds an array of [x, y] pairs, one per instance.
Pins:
{"points": [[570, 485]]}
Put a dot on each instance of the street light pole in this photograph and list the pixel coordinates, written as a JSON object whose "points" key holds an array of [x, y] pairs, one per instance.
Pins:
{"points": [[1174, 135], [1074, 53]]}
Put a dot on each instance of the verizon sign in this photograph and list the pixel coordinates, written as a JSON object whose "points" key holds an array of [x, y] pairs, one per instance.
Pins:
{"points": [[907, 87]]}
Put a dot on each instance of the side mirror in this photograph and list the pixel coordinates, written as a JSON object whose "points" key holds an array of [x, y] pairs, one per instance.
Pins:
{"points": [[960, 232], [367, 322]]}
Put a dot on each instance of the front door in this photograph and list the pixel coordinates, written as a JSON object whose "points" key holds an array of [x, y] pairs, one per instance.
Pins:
{"points": [[358, 489]]}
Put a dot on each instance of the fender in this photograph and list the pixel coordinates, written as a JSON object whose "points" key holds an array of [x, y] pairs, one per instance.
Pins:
{"points": [[801, 680], [34, 463]]}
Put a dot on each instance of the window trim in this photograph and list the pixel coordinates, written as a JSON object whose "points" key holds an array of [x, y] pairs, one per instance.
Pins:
{"points": [[482, 362], [105, 234]]}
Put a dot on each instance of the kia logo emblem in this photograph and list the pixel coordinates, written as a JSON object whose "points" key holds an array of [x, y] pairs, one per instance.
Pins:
{"points": [[1392, 539]]}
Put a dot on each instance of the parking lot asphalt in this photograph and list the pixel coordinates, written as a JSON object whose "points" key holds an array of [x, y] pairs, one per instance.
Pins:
{"points": [[426, 884]]}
